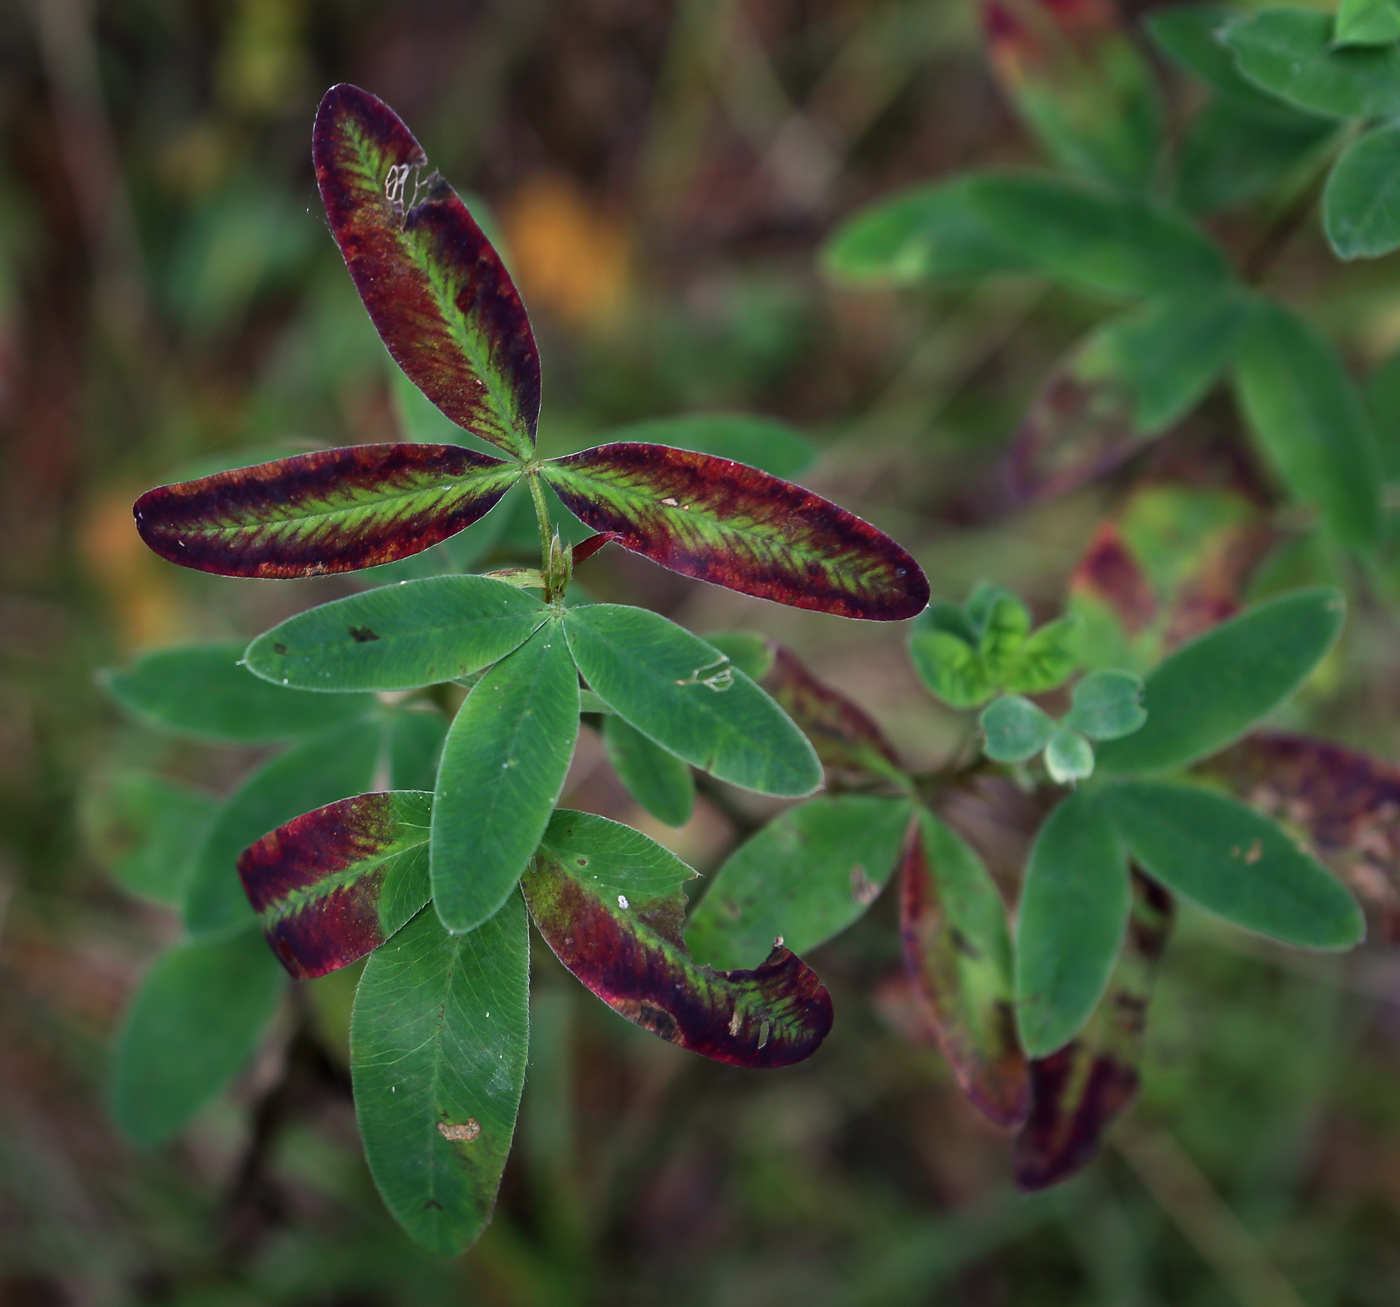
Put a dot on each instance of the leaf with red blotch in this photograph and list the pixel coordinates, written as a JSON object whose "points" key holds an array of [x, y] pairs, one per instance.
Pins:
{"points": [[438, 294], [1079, 83], [336, 510], [332, 885], [843, 734], [1169, 566], [1346, 803], [735, 526], [957, 954], [609, 902], [1078, 1091]]}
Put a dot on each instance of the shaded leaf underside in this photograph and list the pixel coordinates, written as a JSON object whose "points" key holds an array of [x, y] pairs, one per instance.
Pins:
{"points": [[435, 289], [335, 510], [735, 526]]}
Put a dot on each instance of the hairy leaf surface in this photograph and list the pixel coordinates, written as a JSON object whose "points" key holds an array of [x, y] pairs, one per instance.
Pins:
{"points": [[436, 291], [610, 903], [658, 780], [332, 511], [738, 527], [438, 1043]]}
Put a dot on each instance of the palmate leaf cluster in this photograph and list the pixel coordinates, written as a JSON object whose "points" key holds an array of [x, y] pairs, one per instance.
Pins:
{"points": [[428, 725]]}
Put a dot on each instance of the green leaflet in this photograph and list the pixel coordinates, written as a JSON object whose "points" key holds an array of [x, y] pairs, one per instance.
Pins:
{"points": [[502, 770], [932, 232], [1306, 412], [145, 828], [750, 652], [950, 668], [1211, 691], [202, 691], [658, 780], [1015, 729], [438, 1044], [1189, 35], [1069, 757], [1073, 911], [1289, 53], [1097, 240], [399, 637], [1228, 859], [806, 876], [194, 1023], [957, 954], [330, 766], [760, 442], [415, 748], [692, 701], [1361, 205], [1366, 22], [1107, 705]]}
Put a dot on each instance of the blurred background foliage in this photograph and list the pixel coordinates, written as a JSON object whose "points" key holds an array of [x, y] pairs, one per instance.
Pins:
{"points": [[661, 173]]}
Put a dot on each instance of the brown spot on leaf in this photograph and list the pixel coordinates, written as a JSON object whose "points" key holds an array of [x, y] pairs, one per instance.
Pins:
{"points": [[462, 1133]]}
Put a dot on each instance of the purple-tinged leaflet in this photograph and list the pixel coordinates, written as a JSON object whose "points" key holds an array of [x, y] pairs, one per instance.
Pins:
{"points": [[332, 885], [438, 294], [1078, 1091], [609, 902], [335, 510], [732, 525]]}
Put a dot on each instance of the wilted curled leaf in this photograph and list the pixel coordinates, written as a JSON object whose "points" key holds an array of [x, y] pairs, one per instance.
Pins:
{"points": [[843, 734], [336, 510], [437, 292], [957, 954], [609, 902], [1077, 1092], [334, 884], [735, 526], [1171, 565], [1347, 803]]}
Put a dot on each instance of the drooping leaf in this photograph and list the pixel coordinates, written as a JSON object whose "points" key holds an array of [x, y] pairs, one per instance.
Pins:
{"points": [[330, 766], [202, 691], [1079, 83], [1226, 858], [334, 884], [1233, 154], [843, 734], [1107, 705], [415, 748], [925, 234], [1361, 205], [332, 511], [1346, 803], [764, 443], [438, 1044], [957, 954], [691, 700], [1125, 383], [1069, 757], [1074, 908], [1289, 53], [610, 903], [1077, 1092], [436, 291], [503, 768], [1096, 240], [1366, 22], [806, 876], [738, 527], [145, 828], [1015, 729], [399, 637], [1168, 567], [1213, 690], [192, 1026], [658, 780]]}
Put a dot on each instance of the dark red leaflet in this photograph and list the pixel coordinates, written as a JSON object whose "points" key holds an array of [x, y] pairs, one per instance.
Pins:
{"points": [[653, 988], [1109, 572], [337, 929], [752, 532], [352, 128], [245, 522], [585, 549], [842, 733]]}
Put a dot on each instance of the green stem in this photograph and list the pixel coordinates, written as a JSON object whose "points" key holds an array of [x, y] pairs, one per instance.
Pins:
{"points": [[546, 532]]}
